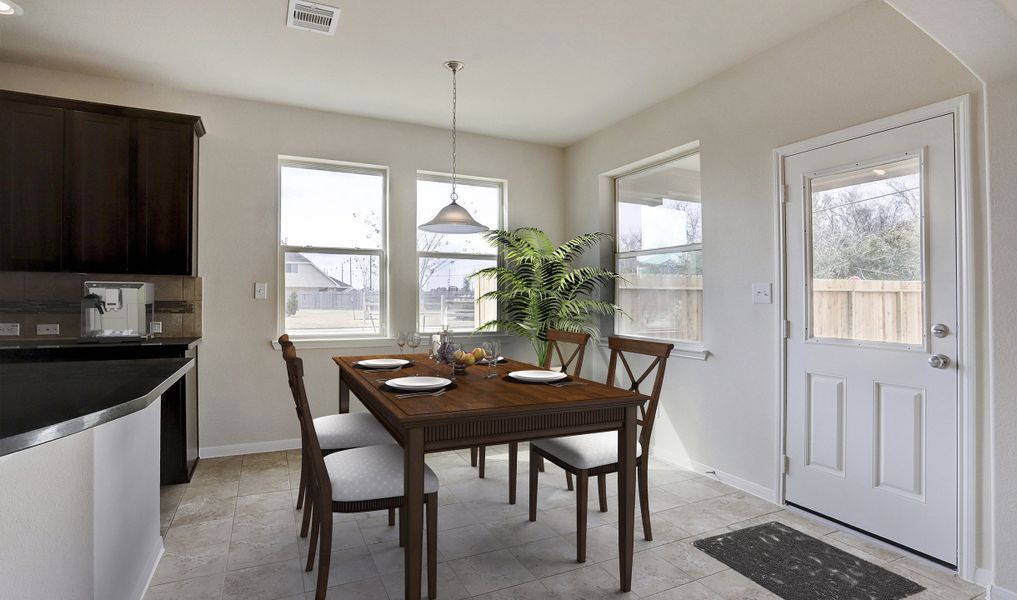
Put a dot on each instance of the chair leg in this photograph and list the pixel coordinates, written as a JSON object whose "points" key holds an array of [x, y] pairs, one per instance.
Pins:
{"points": [[602, 491], [308, 508], [582, 499], [513, 468], [534, 473], [402, 526], [302, 487], [391, 517], [432, 546], [483, 462], [643, 472], [568, 480], [325, 556], [540, 464], [312, 545], [473, 456]]}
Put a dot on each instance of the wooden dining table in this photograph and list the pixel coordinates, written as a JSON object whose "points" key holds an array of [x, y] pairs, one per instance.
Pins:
{"points": [[476, 411]]}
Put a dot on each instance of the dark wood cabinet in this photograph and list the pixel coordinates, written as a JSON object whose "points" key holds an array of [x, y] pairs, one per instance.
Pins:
{"points": [[31, 186], [96, 187], [97, 160]]}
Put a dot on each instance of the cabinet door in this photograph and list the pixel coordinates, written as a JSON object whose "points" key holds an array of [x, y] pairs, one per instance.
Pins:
{"points": [[98, 155], [161, 238], [31, 186]]}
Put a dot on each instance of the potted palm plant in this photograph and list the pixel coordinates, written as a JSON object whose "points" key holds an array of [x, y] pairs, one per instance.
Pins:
{"points": [[540, 289]]}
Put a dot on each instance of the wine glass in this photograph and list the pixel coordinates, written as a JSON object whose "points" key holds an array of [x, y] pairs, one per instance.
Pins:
{"points": [[435, 353], [413, 341], [453, 348], [492, 348], [401, 341]]}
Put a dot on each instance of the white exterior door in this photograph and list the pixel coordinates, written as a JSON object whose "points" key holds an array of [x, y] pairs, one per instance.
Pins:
{"points": [[872, 405]]}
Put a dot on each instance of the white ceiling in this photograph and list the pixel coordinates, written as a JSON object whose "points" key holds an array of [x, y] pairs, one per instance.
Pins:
{"points": [[551, 71]]}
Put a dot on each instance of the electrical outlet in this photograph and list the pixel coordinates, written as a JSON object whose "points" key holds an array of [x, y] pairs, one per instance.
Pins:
{"points": [[156, 326], [10, 328], [761, 293], [47, 329], [261, 291]]}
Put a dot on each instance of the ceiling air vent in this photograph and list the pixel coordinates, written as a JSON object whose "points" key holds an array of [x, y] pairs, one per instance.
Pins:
{"points": [[311, 16]]}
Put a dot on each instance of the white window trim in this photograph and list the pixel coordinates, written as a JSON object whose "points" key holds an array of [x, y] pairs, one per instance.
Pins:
{"points": [[502, 185], [326, 338], [682, 348]]}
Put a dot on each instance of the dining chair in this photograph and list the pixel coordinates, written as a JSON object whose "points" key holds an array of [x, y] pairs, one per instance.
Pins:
{"points": [[356, 480], [592, 454], [334, 433], [573, 366]]}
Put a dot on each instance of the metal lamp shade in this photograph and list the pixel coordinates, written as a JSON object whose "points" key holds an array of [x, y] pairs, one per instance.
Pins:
{"points": [[453, 219]]}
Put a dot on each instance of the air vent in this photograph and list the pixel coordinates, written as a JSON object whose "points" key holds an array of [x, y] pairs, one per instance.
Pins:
{"points": [[310, 16]]}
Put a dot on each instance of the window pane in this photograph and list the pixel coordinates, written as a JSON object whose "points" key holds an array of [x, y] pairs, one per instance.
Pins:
{"points": [[867, 254], [662, 295], [331, 209], [448, 298], [481, 200], [332, 293], [660, 207]]}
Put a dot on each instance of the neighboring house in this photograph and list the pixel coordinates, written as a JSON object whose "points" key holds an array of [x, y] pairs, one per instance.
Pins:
{"points": [[313, 287]]}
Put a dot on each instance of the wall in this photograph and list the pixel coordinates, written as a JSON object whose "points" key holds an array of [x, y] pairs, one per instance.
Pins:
{"points": [[244, 400], [865, 64]]}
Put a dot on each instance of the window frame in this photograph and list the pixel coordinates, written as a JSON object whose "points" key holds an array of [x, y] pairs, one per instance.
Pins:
{"points": [[435, 176], [685, 348], [325, 336]]}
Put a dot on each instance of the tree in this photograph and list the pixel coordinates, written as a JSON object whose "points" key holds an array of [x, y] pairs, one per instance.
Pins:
{"points": [[292, 304]]}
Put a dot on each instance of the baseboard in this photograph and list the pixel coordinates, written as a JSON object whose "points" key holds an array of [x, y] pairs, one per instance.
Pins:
{"points": [[151, 573], [252, 448], [749, 487], [998, 593]]}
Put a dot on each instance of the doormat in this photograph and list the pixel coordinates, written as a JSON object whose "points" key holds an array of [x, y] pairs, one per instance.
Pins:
{"points": [[796, 566]]}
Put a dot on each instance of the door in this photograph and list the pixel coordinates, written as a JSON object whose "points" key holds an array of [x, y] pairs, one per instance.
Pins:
{"points": [[98, 155], [872, 405], [31, 186], [161, 237]]}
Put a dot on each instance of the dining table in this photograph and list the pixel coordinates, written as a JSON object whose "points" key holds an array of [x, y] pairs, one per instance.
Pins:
{"points": [[477, 410]]}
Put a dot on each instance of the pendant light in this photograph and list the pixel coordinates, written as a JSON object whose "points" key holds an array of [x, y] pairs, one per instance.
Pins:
{"points": [[453, 218]]}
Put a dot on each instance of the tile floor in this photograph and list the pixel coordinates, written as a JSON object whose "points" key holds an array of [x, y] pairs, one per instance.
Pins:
{"points": [[232, 534]]}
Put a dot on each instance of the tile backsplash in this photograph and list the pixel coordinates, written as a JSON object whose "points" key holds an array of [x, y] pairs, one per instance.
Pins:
{"points": [[32, 299]]}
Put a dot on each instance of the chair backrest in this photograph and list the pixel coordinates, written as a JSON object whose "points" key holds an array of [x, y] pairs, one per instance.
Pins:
{"points": [[660, 351], [308, 437], [575, 360]]}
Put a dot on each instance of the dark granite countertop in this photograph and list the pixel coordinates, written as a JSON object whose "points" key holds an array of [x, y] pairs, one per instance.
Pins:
{"points": [[41, 402], [16, 344]]}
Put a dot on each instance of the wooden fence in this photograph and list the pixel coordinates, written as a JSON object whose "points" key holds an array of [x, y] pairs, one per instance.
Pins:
{"points": [[671, 307]]}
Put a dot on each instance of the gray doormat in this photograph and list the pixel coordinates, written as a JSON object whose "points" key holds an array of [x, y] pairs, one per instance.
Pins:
{"points": [[796, 566]]}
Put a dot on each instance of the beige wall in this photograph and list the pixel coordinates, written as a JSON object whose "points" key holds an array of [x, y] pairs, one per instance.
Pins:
{"points": [[866, 64], [243, 395]]}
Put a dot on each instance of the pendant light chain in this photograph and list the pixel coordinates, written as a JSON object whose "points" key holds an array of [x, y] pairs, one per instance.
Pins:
{"points": [[454, 196]]}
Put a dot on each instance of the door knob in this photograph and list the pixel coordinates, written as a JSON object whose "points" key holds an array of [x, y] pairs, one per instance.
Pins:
{"points": [[940, 330], [939, 361]]}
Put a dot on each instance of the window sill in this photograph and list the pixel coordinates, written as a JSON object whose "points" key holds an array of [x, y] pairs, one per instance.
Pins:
{"points": [[338, 343], [690, 351]]}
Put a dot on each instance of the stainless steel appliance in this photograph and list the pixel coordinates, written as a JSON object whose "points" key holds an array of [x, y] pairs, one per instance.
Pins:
{"points": [[117, 310]]}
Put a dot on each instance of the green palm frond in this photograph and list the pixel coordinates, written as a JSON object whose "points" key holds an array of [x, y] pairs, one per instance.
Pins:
{"points": [[538, 288]]}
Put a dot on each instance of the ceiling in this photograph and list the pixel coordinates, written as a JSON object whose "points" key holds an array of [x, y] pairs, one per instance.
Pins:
{"points": [[550, 71]]}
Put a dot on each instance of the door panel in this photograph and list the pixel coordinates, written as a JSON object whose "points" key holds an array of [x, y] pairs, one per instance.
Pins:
{"points": [[871, 251], [162, 231]]}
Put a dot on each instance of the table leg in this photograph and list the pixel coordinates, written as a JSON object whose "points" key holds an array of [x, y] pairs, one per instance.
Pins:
{"points": [[626, 496], [344, 394], [413, 478]]}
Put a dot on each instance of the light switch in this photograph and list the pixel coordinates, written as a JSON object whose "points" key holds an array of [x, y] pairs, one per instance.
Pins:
{"points": [[761, 293], [261, 291]]}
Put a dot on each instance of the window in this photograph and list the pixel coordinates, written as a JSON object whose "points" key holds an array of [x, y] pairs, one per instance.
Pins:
{"points": [[446, 295], [659, 238], [332, 241]]}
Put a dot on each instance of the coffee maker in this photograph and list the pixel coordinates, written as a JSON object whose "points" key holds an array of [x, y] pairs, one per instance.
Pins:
{"points": [[116, 311]]}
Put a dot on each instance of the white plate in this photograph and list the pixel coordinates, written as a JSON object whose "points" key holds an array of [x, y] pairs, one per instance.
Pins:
{"points": [[418, 383], [538, 376], [484, 361], [382, 363]]}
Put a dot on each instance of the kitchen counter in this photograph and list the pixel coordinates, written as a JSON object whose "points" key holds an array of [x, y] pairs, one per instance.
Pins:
{"points": [[41, 402], [16, 344]]}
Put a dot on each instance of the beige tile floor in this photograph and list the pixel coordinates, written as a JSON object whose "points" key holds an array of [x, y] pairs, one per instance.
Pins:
{"points": [[232, 534]]}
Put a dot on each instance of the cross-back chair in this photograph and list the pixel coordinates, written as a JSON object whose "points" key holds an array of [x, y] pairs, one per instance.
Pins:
{"points": [[356, 480], [596, 454], [572, 365]]}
